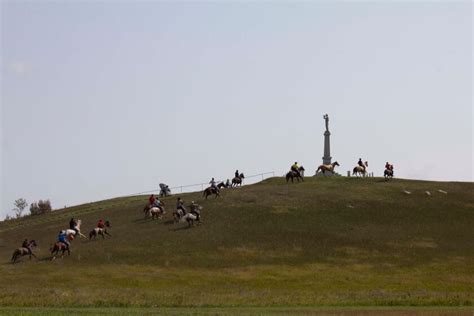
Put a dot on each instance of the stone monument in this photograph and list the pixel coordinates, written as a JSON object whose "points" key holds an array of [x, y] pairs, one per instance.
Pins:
{"points": [[327, 146], [327, 149]]}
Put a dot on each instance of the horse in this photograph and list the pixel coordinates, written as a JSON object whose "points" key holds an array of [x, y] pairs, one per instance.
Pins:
{"points": [[388, 174], [301, 170], [57, 247], [148, 207], [293, 174], [78, 228], [190, 218], [329, 168], [209, 191], [177, 215], [194, 215], [222, 185], [22, 251], [361, 170], [237, 180], [100, 231], [155, 211]]}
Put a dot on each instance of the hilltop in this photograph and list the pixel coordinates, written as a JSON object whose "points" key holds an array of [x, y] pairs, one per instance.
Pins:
{"points": [[327, 241]]}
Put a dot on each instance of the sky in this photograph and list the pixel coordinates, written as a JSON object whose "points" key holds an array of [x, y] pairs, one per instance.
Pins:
{"points": [[106, 98]]}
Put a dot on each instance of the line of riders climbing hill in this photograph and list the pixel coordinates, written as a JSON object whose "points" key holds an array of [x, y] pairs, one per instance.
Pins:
{"points": [[155, 208]]}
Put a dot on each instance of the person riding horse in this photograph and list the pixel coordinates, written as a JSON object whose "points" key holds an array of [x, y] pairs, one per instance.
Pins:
{"points": [[180, 205], [214, 184], [63, 238], [26, 245], [388, 173], [195, 209], [295, 168], [101, 224], [360, 163], [73, 225]]}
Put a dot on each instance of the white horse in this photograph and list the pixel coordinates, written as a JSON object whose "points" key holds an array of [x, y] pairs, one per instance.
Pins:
{"points": [[155, 212], [361, 170], [72, 232], [188, 217]]}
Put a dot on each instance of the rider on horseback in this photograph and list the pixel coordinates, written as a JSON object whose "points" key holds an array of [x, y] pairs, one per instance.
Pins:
{"points": [[151, 200], [180, 205], [195, 209], [101, 224], [295, 168], [62, 237], [237, 173], [26, 245], [213, 184], [360, 163], [73, 224]]}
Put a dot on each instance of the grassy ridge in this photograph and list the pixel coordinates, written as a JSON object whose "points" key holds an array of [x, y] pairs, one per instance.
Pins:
{"points": [[327, 241]]}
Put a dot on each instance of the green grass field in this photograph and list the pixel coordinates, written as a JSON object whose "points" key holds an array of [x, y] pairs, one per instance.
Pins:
{"points": [[325, 242]]}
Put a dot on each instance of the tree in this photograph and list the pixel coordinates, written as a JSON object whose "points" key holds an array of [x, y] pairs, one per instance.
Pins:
{"points": [[20, 206], [40, 207]]}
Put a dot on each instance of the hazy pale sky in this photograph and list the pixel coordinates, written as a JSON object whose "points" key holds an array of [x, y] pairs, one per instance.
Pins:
{"points": [[101, 99]]}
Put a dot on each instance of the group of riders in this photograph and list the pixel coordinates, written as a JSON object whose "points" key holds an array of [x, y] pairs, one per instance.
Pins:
{"points": [[194, 208], [63, 239]]}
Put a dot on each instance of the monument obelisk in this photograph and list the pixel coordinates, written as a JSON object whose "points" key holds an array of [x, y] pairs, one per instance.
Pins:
{"points": [[327, 146]]}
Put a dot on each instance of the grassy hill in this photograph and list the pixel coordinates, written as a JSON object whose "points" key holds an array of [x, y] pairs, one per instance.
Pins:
{"points": [[327, 241]]}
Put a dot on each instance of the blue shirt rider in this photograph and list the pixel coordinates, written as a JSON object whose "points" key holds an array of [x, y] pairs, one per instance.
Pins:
{"points": [[62, 237]]}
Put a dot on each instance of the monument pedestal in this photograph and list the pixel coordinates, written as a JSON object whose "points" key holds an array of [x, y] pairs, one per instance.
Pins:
{"points": [[327, 156]]}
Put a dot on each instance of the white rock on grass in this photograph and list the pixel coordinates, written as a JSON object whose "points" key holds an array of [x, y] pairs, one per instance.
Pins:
{"points": [[442, 191], [406, 192], [428, 193]]}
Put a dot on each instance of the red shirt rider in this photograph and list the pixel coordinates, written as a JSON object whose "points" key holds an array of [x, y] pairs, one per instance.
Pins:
{"points": [[100, 224], [151, 199]]}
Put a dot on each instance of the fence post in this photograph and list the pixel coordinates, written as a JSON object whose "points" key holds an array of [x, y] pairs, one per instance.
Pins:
{"points": [[181, 189], [349, 173], [262, 176]]}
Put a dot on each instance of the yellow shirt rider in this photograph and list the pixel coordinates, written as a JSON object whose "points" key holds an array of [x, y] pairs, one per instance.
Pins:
{"points": [[295, 167]]}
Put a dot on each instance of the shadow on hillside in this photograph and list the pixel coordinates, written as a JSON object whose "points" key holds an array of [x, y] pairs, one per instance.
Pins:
{"points": [[182, 228]]}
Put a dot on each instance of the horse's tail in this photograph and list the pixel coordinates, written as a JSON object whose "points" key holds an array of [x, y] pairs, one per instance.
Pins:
{"points": [[15, 254], [52, 248]]}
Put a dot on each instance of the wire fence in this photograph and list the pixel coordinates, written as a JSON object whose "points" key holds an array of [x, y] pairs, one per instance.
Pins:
{"points": [[201, 186]]}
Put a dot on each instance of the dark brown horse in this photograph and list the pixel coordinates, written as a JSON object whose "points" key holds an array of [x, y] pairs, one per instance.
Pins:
{"points": [[330, 167], [209, 191], [222, 185], [238, 180], [293, 174], [388, 174], [57, 247], [23, 251]]}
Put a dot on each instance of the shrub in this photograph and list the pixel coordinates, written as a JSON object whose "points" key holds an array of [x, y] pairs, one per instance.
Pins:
{"points": [[40, 207]]}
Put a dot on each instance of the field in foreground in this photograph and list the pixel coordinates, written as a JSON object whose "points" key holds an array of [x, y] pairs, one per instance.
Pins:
{"points": [[261, 311], [324, 242]]}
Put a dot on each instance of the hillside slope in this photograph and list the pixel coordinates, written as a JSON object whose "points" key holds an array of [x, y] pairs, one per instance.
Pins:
{"points": [[327, 241]]}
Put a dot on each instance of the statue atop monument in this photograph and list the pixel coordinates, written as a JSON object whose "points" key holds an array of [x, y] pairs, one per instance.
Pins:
{"points": [[326, 118]]}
